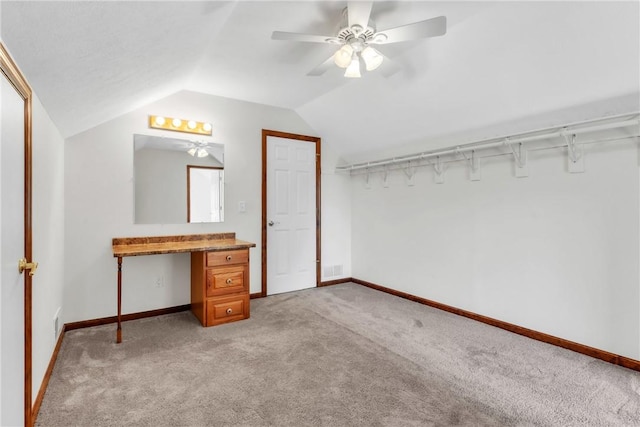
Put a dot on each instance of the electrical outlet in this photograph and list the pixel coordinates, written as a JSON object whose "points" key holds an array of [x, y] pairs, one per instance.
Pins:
{"points": [[160, 282], [242, 206]]}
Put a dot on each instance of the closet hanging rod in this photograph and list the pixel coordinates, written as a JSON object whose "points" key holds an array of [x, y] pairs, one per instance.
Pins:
{"points": [[524, 137], [503, 154]]}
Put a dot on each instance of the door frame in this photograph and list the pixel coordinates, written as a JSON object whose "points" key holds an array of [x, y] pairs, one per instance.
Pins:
{"points": [[315, 140], [12, 73]]}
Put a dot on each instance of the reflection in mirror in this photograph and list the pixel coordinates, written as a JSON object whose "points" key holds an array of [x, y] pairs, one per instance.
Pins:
{"points": [[205, 194], [160, 180]]}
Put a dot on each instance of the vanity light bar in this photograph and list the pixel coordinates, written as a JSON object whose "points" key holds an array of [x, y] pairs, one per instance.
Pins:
{"points": [[179, 125]]}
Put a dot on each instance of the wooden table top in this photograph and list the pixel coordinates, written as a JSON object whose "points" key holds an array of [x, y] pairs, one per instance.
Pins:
{"points": [[134, 246]]}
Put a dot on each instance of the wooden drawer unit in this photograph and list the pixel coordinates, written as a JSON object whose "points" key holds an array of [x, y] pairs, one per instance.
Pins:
{"points": [[220, 286], [225, 280], [227, 309], [215, 259]]}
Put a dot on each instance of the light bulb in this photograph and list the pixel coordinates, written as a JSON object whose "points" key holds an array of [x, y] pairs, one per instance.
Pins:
{"points": [[159, 120], [207, 127], [176, 123], [353, 70], [192, 151], [372, 58], [191, 124], [342, 57], [202, 152]]}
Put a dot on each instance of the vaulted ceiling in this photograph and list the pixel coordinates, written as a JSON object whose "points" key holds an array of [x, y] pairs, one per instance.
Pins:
{"points": [[502, 67]]}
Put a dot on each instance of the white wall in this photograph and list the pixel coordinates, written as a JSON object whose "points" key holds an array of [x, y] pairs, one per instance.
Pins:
{"points": [[336, 216], [554, 252], [99, 203], [48, 237]]}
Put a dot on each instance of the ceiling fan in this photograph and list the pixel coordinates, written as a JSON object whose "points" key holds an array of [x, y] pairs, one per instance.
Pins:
{"points": [[356, 36]]}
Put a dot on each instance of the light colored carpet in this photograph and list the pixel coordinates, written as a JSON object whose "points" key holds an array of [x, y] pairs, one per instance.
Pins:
{"points": [[343, 355]]}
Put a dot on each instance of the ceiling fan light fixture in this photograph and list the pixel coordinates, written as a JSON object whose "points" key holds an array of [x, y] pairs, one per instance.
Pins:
{"points": [[379, 38], [202, 152], [353, 70], [372, 58], [342, 57], [192, 151]]}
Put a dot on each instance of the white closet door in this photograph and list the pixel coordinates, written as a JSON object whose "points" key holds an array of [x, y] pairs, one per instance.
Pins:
{"points": [[291, 215]]}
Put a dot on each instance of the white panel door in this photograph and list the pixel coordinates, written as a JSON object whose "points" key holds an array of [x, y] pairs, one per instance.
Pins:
{"points": [[12, 249], [291, 215]]}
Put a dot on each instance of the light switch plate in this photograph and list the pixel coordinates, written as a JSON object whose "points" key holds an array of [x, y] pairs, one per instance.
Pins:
{"points": [[242, 206]]}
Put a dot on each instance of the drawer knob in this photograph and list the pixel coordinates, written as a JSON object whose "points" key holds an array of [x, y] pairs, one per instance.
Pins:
{"points": [[229, 311], [229, 281], [228, 257]]}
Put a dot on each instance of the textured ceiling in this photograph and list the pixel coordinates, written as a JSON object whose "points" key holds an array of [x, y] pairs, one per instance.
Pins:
{"points": [[502, 67]]}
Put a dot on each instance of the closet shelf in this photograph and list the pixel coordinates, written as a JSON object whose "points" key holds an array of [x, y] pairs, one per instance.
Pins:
{"points": [[512, 142]]}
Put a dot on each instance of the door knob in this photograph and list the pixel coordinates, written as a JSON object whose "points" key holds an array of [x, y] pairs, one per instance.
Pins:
{"points": [[24, 265], [272, 223]]}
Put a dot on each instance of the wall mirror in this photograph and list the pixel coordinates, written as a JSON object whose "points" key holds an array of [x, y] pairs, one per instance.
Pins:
{"points": [[177, 180]]}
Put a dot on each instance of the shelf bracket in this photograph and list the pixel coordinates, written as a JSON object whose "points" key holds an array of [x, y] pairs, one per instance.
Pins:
{"points": [[474, 167], [575, 158], [410, 173], [461, 153], [520, 157], [367, 183], [439, 169], [385, 177]]}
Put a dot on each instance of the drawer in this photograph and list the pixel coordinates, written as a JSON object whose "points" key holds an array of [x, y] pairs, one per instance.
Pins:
{"points": [[227, 309], [240, 256], [226, 280]]}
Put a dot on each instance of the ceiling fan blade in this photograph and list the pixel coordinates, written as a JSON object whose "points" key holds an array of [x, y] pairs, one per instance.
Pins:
{"points": [[433, 27], [359, 12], [322, 68], [299, 37], [389, 67]]}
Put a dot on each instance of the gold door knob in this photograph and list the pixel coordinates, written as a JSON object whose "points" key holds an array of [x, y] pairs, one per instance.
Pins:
{"points": [[24, 265], [229, 311], [229, 281]]}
